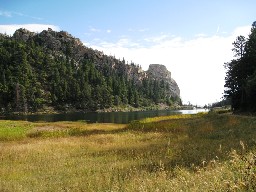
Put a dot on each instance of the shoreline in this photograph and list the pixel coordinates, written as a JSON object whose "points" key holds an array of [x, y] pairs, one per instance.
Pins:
{"points": [[125, 108]]}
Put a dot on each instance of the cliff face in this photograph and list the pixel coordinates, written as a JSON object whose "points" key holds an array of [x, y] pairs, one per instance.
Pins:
{"points": [[160, 72], [63, 44]]}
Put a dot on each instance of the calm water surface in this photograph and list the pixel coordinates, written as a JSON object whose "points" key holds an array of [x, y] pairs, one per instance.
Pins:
{"points": [[93, 117]]}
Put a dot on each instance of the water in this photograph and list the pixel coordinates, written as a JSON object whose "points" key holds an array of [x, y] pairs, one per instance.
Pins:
{"points": [[93, 117]]}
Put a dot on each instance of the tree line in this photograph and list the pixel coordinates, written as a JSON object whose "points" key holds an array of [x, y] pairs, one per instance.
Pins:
{"points": [[34, 77], [240, 80]]}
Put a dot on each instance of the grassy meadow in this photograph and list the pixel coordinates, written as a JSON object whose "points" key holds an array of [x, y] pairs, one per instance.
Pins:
{"points": [[203, 152]]}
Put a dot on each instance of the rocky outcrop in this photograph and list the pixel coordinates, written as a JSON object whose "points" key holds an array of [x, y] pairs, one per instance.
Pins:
{"points": [[23, 34], [174, 88], [159, 72], [135, 73]]}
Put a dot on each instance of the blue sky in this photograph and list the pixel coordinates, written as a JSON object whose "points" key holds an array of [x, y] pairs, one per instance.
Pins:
{"points": [[192, 38]]}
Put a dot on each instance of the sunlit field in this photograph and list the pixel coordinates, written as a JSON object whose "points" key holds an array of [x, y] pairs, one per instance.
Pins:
{"points": [[203, 152]]}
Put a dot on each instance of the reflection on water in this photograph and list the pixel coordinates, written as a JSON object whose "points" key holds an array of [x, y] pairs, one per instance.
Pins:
{"points": [[93, 117]]}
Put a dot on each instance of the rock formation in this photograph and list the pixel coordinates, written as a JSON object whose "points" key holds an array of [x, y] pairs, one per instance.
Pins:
{"points": [[159, 72]]}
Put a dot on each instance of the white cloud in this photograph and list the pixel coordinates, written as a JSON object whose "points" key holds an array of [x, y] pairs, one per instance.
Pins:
{"points": [[244, 30], [93, 29], [218, 29], [97, 30], [5, 13], [196, 64], [10, 29], [142, 30], [201, 35], [157, 39], [13, 14]]}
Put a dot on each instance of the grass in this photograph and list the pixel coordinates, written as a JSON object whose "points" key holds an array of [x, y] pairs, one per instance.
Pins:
{"points": [[11, 130], [203, 152]]}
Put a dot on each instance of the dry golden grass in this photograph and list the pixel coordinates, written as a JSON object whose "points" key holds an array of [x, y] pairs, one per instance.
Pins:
{"points": [[179, 153]]}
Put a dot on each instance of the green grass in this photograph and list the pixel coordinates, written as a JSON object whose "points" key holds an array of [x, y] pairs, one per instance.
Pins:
{"points": [[203, 152], [13, 130]]}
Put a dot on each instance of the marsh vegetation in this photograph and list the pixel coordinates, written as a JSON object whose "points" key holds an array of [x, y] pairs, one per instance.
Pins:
{"points": [[201, 152]]}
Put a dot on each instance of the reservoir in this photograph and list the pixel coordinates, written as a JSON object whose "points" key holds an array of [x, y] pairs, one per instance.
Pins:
{"points": [[104, 117]]}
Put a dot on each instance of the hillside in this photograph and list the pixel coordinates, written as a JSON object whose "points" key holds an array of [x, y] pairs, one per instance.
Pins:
{"points": [[54, 69]]}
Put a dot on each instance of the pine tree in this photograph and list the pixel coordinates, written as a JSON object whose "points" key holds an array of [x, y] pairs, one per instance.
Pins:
{"points": [[240, 75]]}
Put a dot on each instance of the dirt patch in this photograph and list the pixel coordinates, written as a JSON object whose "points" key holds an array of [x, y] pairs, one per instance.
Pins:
{"points": [[49, 128]]}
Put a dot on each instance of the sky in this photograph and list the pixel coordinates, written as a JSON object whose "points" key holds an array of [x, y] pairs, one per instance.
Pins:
{"points": [[193, 39]]}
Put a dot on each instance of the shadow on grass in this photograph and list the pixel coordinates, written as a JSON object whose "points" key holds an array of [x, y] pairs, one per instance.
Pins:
{"points": [[190, 143]]}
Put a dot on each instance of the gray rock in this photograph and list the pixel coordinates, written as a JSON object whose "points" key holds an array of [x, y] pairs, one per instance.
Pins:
{"points": [[23, 34], [159, 72]]}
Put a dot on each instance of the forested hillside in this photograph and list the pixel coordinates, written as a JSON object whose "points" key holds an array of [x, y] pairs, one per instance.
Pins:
{"points": [[240, 81], [54, 69]]}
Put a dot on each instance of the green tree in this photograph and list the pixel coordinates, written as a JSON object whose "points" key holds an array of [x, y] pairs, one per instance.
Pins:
{"points": [[240, 75], [239, 46]]}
